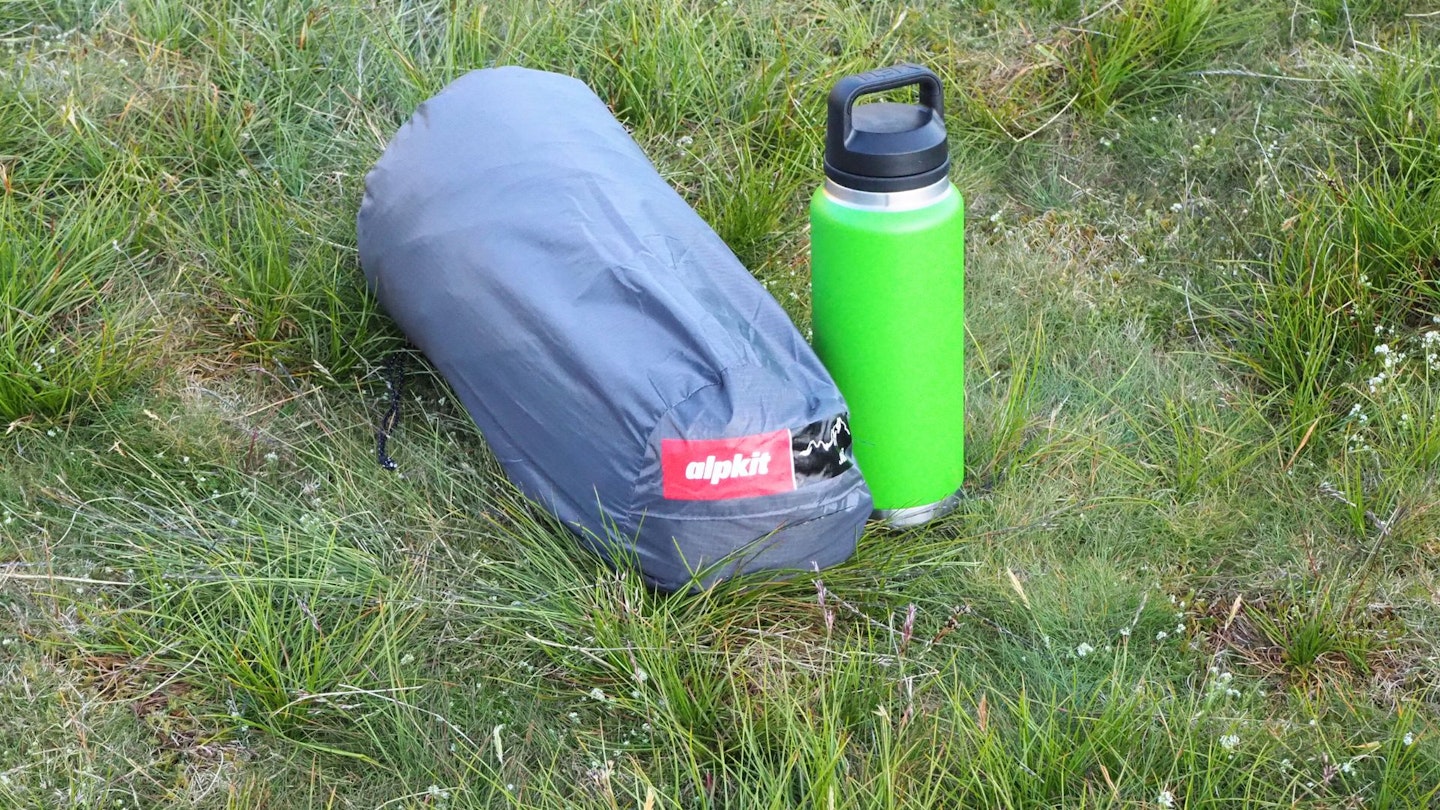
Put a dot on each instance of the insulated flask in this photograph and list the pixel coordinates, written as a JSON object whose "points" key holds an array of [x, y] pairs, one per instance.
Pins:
{"points": [[887, 263]]}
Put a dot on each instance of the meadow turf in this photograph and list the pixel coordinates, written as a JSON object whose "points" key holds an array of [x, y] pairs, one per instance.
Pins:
{"points": [[1197, 567]]}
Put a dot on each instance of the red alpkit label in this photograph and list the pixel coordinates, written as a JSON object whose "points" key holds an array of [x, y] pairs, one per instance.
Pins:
{"points": [[720, 469]]}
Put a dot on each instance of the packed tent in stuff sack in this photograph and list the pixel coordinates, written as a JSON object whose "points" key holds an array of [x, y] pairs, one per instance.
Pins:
{"points": [[628, 372]]}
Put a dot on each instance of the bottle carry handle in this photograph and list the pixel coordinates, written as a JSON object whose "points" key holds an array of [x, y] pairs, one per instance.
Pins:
{"points": [[849, 90]]}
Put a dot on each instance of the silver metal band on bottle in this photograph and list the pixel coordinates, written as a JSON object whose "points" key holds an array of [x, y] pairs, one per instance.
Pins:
{"points": [[889, 200], [916, 515]]}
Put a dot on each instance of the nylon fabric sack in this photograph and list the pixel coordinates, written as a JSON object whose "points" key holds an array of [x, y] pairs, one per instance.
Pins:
{"points": [[628, 372]]}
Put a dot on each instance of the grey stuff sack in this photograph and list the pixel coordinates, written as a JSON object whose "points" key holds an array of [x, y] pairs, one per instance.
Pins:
{"points": [[628, 372]]}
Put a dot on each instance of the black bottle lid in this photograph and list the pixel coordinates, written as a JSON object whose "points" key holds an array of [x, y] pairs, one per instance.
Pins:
{"points": [[884, 146]]}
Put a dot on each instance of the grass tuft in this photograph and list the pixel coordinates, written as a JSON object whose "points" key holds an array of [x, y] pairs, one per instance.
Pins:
{"points": [[1138, 50], [75, 325]]}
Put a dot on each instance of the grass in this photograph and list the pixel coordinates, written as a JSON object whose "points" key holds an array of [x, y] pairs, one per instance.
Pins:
{"points": [[1141, 48], [72, 332], [1196, 567]]}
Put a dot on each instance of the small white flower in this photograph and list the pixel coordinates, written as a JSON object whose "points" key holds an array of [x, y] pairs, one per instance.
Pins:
{"points": [[1177, 207], [271, 456], [1083, 650], [1409, 739], [1161, 636], [1166, 799], [1348, 767], [641, 676], [1125, 632], [597, 694], [1229, 741], [685, 140]]}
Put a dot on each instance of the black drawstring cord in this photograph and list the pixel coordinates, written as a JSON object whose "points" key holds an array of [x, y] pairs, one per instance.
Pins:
{"points": [[395, 381]]}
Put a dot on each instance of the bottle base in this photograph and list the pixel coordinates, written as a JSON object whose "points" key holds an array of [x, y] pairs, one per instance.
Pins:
{"points": [[911, 516]]}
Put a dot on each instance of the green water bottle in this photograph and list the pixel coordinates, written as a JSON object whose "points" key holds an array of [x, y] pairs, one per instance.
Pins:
{"points": [[887, 264]]}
